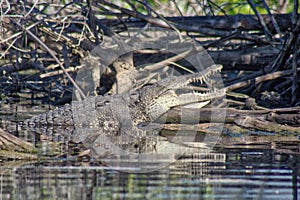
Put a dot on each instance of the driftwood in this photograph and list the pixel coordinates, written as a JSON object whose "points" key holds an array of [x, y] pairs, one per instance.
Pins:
{"points": [[288, 144], [271, 120], [229, 22], [12, 147], [264, 125]]}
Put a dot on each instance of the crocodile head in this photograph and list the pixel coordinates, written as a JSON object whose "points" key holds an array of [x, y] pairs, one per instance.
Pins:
{"points": [[157, 99]]}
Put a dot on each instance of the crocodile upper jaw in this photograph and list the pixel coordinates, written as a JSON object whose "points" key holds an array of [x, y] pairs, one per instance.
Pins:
{"points": [[164, 95]]}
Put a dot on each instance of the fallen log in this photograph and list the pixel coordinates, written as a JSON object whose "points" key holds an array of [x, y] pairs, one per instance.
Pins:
{"points": [[264, 125], [271, 120], [202, 23], [211, 115], [200, 115], [12, 147]]}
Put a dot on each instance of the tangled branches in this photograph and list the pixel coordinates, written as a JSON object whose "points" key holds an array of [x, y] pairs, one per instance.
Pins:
{"points": [[43, 44]]}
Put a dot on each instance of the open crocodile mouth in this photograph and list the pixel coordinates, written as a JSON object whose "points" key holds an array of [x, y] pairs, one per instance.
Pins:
{"points": [[195, 90], [204, 85], [206, 74], [207, 77]]}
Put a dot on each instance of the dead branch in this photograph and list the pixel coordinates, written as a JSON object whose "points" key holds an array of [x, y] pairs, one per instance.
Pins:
{"points": [[12, 147], [264, 125], [259, 79], [288, 116], [230, 22]]}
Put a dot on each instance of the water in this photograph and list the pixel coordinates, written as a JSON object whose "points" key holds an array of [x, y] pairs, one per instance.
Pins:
{"points": [[250, 174], [235, 169]]}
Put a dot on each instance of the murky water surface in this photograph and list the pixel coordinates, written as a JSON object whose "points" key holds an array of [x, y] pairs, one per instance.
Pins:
{"points": [[266, 169]]}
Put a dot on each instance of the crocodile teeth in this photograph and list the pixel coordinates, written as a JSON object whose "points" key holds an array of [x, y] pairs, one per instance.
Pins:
{"points": [[197, 93], [201, 93], [201, 80]]}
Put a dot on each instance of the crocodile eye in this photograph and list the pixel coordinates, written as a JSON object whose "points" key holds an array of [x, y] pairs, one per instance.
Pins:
{"points": [[102, 103], [134, 95], [136, 146]]}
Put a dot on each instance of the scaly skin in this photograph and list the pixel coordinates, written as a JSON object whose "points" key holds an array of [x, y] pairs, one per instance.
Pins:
{"points": [[142, 105], [117, 117]]}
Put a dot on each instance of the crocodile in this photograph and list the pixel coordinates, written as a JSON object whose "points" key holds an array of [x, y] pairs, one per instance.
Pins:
{"points": [[124, 115], [145, 104]]}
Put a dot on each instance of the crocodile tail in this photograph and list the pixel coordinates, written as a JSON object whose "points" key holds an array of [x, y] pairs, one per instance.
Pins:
{"points": [[57, 117]]}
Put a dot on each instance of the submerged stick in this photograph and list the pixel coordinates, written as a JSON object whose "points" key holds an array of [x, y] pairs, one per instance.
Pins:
{"points": [[12, 147]]}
